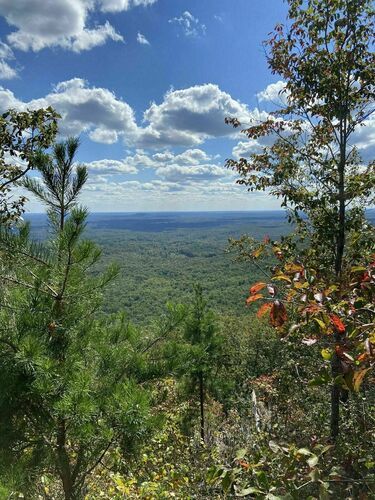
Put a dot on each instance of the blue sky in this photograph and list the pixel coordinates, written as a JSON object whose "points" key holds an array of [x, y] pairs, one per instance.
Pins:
{"points": [[146, 84]]}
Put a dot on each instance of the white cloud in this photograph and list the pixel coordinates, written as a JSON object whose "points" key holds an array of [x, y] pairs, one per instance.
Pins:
{"points": [[105, 194], [96, 111], [109, 167], [245, 148], [7, 72], [364, 139], [123, 5], [190, 116], [192, 165], [104, 136], [88, 39], [188, 157], [184, 118], [180, 173], [192, 162], [54, 23], [142, 39], [274, 93], [190, 25], [8, 100]]}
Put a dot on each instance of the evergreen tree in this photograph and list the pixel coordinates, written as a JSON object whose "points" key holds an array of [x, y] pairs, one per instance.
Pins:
{"points": [[69, 390], [60, 187], [201, 354]]}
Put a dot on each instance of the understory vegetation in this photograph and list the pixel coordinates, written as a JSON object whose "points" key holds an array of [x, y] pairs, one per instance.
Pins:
{"points": [[201, 369]]}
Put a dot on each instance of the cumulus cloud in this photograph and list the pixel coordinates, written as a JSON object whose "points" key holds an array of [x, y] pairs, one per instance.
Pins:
{"points": [[56, 23], [188, 157], [109, 167], [166, 195], [364, 139], [191, 162], [180, 173], [190, 25], [274, 93], [184, 118], [190, 116], [8, 100], [245, 148], [123, 5], [142, 39], [7, 72], [90, 38], [96, 111], [190, 166]]}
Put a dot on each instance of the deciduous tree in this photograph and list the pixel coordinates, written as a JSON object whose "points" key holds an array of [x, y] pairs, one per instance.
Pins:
{"points": [[314, 164]]}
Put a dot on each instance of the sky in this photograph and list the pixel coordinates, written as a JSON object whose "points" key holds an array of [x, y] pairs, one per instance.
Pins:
{"points": [[146, 85]]}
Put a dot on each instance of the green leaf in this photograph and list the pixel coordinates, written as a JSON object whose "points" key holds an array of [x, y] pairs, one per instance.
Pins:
{"points": [[249, 491], [326, 354], [321, 324], [227, 481], [304, 451], [241, 453], [313, 460]]}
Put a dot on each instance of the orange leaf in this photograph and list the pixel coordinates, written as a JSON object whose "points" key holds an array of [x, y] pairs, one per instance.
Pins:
{"points": [[255, 288], [256, 253], [312, 308], [337, 323], [278, 314], [293, 268], [263, 309], [253, 298], [362, 357], [358, 378]]}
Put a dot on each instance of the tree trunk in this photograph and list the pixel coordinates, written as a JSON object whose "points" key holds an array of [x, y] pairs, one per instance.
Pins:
{"points": [[64, 463], [340, 241], [201, 402], [336, 391], [335, 397]]}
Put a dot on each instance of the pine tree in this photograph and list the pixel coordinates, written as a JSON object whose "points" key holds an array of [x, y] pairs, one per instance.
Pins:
{"points": [[60, 187], [201, 353], [69, 390]]}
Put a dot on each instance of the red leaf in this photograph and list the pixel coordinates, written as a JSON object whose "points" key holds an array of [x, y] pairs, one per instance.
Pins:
{"points": [[253, 298], [257, 287], [337, 323], [278, 314], [263, 309]]}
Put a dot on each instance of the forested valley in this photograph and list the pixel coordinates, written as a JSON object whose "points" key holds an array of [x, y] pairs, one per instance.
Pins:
{"points": [[200, 356]]}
